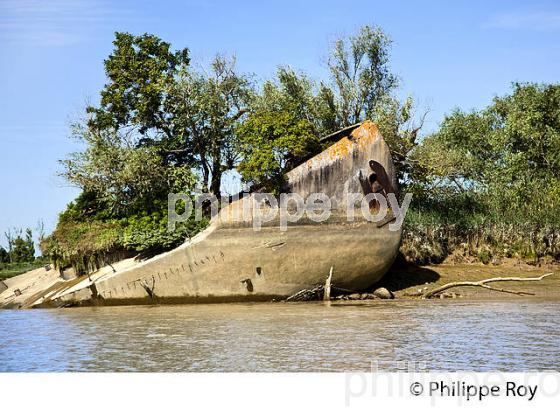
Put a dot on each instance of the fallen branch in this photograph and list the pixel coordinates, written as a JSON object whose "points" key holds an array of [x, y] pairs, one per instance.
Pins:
{"points": [[483, 284], [307, 295], [317, 293]]}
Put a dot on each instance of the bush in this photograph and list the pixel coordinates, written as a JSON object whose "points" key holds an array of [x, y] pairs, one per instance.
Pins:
{"points": [[86, 239]]}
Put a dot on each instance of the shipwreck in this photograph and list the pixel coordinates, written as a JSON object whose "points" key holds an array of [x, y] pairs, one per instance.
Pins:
{"points": [[230, 261]]}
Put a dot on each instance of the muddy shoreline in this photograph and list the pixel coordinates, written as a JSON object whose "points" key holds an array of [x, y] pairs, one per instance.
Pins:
{"points": [[405, 281], [411, 281]]}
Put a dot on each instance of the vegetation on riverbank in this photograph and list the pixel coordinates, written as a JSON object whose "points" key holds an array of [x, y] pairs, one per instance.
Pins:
{"points": [[430, 238], [19, 257], [9, 270], [485, 184]]}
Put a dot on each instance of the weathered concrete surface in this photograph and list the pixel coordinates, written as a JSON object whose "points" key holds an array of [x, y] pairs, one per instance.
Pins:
{"points": [[33, 287], [24, 288], [230, 261]]}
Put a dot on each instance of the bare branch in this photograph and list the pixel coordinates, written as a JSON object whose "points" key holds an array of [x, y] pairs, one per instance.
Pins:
{"points": [[483, 284]]}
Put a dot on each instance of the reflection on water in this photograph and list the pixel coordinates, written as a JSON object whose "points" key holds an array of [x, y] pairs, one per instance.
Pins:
{"points": [[444, 335]]}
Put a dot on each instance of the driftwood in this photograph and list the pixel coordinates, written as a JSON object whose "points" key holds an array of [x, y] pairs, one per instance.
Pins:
{"points": [[483, 284], [317, 293], [327, 290], [307, 294]]}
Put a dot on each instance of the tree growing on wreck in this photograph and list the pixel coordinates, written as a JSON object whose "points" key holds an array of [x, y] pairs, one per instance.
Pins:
{"points": [[364, 85], [123, 204], [164, 126], [186, 115], [159, 123], [272, 143], [208, 106], [140, 72], [359, 67], [191, 118], [360, 87]]}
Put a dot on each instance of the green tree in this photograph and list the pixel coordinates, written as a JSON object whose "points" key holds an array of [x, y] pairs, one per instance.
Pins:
{"points": [[400, 128], [362, 87], [359, 67], [4, 255], [300, 95], [272, 143], [509, 153], [119, 174], [208, 106], [140, 71], [22, 248]]}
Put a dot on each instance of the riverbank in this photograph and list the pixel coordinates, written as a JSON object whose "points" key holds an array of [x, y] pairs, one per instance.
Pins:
{"points": [[405, 281], [408, 281]]}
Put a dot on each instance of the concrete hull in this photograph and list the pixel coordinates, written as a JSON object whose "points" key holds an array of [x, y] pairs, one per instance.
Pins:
{"points": [[232, 261], [239, 264]]}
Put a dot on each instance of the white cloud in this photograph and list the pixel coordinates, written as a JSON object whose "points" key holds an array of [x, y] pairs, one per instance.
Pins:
{"points": [[533, 21], [54, 22]]}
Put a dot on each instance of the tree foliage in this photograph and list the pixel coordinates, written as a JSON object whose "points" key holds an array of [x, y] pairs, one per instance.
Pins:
{"points": [[19, 257], [400, 127], [359, 66], [119, 174], [508, 154], [296, 93], [208, 106], [486, 183], [272, 143], [172, 114], [4, 255], [21, 247], [88, 236], [361, 87], [140, 71]]}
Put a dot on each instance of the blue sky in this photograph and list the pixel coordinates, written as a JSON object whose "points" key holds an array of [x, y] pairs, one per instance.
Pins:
{"points": [[448, 54]]}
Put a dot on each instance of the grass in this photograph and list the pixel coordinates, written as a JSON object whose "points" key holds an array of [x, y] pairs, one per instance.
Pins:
{"points": [[431, 235], [9, 270]]}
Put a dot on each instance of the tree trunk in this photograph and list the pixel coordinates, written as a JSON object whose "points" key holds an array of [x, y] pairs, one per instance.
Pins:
{"points": [[215, 183], [216, 178], [205, 176]]}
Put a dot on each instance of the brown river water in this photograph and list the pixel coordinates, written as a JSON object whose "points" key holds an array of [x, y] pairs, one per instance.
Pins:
{"points": [[507, 335]]}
